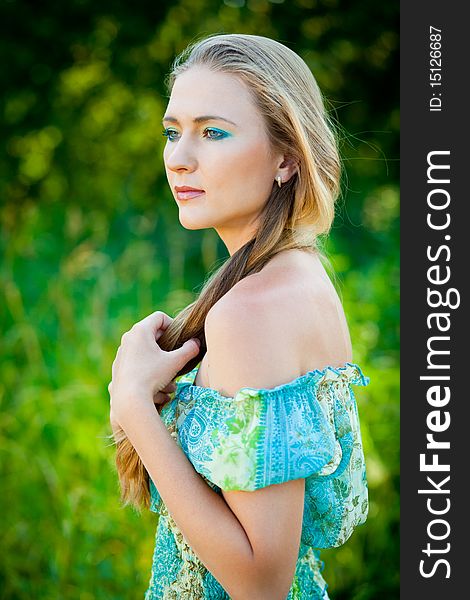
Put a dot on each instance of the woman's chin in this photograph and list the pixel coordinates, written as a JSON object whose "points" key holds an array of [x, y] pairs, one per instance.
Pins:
{"points": [[193, 224]]}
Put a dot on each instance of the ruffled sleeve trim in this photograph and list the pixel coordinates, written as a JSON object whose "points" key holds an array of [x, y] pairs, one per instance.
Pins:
{"points": [[349, 373]]}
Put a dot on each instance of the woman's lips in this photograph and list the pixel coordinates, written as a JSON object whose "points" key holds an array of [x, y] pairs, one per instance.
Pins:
{"points": [[188, 194]]}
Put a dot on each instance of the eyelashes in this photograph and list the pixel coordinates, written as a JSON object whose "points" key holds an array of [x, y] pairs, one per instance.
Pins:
{"points": [[210, 133], [168, 133]]}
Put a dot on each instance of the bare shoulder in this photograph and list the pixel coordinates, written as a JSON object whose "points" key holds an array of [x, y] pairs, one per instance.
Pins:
{"points": [[275, 325]]}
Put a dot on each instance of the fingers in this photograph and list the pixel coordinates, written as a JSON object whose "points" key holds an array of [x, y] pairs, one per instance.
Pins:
{"points": [[158, 331], [156, 322], [171, 387], [186, 352], [161, 398]]}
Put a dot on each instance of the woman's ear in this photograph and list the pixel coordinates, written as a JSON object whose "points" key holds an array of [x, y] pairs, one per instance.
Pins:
{"points": [[286, 169]]}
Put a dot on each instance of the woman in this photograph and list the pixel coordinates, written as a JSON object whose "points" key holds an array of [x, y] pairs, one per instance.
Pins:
{"points": [[256, 461]]}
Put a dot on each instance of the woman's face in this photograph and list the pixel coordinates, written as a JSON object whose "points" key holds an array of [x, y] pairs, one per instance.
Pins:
{"points": [[218, 145]]}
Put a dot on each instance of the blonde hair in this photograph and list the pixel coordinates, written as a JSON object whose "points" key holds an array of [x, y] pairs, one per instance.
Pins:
{"points": [[289, 99]]}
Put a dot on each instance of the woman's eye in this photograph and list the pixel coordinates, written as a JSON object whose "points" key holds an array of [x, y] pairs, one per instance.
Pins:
{"points": [[170, 134], [214, 134], [209, 133]]}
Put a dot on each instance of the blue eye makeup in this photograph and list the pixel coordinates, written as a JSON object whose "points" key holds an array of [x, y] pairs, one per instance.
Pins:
{"points": [[169, 133], [209, 133], [219, 133]]}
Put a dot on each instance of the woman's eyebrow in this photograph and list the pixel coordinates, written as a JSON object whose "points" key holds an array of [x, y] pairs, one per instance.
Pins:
{"points": [[202, 119]]}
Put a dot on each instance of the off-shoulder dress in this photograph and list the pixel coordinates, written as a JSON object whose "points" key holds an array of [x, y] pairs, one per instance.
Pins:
{"points": [[306, 428]]}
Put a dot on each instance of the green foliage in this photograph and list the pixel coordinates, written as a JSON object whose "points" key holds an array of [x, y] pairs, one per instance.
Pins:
{"points": [[91, 243]]}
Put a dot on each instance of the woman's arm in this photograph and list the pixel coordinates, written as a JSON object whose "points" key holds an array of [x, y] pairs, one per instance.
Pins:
{"points": [[206, 521], [250, 540]]}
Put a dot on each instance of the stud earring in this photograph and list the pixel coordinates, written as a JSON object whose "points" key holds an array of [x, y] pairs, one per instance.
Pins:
{"points": [[279, 180]]}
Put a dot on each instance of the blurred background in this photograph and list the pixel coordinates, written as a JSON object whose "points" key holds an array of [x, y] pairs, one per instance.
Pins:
{"points": [[91, 243]]}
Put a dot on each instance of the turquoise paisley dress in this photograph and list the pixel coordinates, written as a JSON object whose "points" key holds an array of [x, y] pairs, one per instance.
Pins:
{"points": [[306, 428]]}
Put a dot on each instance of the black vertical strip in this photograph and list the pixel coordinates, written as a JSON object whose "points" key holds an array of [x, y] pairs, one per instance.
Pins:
{"points": [[435, 329]]}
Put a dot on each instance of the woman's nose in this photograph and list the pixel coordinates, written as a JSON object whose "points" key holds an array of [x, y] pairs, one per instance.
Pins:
{"points": [[179, 156]]}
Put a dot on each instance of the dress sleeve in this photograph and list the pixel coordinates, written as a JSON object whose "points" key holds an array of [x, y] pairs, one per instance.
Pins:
{"points": [[307, 428], [262, 437]]}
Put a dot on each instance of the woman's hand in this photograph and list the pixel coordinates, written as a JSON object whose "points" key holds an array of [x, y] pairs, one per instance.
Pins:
{"points": [[142, 372]]}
